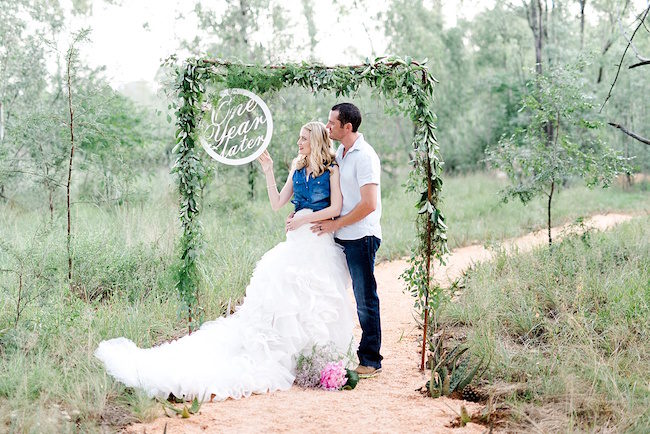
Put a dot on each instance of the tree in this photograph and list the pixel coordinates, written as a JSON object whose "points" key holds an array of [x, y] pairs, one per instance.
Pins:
{"points": [[234, 32], [308, 13], [71, 61], [427, 38], [535, 165], [537, 15], [43, 138], [641, 61], [22, 80]]}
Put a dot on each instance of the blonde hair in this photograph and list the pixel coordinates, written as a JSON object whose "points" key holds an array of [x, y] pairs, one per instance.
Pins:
{"points": [[322, 152]]}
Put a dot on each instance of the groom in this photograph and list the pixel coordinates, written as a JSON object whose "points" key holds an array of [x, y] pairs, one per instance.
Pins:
{"points": [[358, 229]]}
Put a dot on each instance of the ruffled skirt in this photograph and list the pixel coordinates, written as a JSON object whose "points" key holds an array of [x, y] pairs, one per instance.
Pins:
{"points": [[296, 299]]}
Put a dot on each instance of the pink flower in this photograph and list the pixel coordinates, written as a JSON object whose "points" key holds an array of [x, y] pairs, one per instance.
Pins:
{"points": [[332, 377]]}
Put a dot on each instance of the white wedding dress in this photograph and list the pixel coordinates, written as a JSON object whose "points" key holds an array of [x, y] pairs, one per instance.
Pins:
{"points": [[296, 299]]}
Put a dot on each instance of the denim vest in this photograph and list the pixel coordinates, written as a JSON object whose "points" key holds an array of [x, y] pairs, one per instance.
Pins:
{"points": [[312, 193]]}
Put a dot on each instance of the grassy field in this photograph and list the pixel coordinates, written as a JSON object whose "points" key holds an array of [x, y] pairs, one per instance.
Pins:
{"points": [[123, 281], [569, 328]]}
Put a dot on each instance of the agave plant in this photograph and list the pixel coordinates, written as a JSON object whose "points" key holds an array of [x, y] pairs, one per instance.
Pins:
{"points": [[184, 412], [451, 370]]}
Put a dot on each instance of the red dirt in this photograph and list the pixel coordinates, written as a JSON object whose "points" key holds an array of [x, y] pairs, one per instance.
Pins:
{"points": [[387, 403]]}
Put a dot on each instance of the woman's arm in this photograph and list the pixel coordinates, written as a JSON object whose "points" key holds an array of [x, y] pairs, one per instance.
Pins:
{"points": [[277, 199], [334, 210]]}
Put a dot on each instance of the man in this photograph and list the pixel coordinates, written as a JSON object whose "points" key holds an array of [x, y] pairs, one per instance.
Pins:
{"points": [[358, 229]]}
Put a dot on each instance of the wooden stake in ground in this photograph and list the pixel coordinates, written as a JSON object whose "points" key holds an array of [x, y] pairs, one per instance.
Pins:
{"points": [[429, 234]]}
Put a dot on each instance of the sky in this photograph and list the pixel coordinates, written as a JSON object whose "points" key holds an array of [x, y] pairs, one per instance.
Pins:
{"points": [[131, 39]]}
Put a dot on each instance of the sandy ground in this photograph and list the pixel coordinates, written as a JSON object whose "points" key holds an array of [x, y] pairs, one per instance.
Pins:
{"points": [[387, 403]]}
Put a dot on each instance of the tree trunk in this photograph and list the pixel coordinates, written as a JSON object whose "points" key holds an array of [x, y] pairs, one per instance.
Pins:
{"points": [[2, 122], [628, 175], [251, 180], [548, 209], [537, 14], [243, 7], [2, 136], [20, 297], [582, 24], [308, 12], [610, 39], [51, 194], [69, 79], [535, 22], [50, 190]]}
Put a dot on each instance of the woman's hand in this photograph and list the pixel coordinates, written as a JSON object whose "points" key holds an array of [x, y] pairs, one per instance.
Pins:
{"points": [[287, 220], [294, 223], [265, 161]]}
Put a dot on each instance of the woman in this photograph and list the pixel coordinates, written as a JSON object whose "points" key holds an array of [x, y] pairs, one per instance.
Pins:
{"points": [[296, 299]]}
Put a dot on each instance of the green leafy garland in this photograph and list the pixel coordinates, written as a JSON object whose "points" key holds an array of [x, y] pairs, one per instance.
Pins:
{"points": [[406, 82]]}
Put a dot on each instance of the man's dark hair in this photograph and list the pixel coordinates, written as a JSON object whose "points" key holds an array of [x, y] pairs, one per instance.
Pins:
{"points": [[348, 113]]}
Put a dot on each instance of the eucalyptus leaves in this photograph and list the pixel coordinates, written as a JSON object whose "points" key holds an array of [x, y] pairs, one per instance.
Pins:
{"points": [[406, 83]]}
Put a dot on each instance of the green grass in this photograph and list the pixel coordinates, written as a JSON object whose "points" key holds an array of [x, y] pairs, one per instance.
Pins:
{"points": [[570, 326], [475, 214], [123, 281]]}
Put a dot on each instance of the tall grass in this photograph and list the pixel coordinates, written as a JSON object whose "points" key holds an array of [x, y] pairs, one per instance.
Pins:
{"points": [[570, 326], [475, 214], [123, 283]]}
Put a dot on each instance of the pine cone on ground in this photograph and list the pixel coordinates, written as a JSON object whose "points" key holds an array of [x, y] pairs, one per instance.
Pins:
{"points": [[472, 394]]}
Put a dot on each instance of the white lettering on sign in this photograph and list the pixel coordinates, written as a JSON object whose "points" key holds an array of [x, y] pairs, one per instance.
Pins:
{"points": [[239, 129]]}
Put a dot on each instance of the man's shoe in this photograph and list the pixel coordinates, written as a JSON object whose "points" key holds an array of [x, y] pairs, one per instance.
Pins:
{"points": [[367, 371]]}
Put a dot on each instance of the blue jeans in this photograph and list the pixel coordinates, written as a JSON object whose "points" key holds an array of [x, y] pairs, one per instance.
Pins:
{"points": [[360, 256]]}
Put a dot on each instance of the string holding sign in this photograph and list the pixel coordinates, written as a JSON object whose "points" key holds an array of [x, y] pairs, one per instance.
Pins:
{"points": [[236, 128]]}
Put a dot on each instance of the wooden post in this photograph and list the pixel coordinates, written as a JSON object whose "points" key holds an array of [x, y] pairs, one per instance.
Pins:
{"points": [[428, 253]]}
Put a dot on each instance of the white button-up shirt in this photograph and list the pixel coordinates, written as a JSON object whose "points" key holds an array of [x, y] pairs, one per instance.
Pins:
{"points": [[359, 167]]}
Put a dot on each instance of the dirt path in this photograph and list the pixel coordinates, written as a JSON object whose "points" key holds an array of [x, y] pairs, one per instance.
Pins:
{"points": [[388, 403]]}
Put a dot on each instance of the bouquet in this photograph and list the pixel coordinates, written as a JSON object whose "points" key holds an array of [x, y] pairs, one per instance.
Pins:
{"points": [[324, 368]]}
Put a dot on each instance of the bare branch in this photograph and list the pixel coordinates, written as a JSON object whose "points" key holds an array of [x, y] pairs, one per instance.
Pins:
{"points": [[643, 21], [45, 178], [645, 62], [629, 40], [510, 6], [609, 94], [630, 133]]}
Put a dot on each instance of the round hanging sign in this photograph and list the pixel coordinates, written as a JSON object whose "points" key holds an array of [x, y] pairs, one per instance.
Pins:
{"points": [[236, 127]]}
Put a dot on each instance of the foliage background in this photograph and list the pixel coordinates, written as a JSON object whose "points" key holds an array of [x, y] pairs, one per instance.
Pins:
{"points": [[125, 203]]}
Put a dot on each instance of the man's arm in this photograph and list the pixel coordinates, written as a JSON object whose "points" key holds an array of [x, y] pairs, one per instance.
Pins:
{"points": [[336, 202], [366, 205]]}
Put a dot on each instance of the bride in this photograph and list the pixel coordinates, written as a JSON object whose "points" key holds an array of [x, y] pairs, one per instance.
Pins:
{"points": [[296, 299]]}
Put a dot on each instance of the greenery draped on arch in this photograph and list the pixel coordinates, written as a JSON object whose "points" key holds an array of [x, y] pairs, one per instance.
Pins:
{"points": [[406, 82]]}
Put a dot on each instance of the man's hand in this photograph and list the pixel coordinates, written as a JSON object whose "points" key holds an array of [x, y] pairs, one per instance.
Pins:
{"points": [[324, 227]]}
